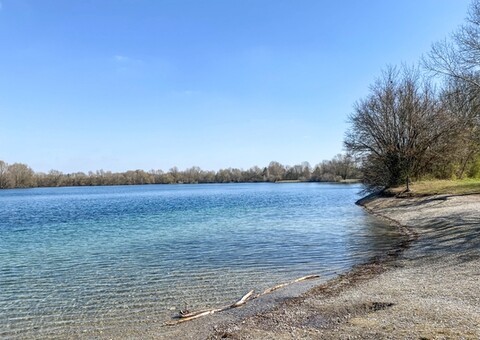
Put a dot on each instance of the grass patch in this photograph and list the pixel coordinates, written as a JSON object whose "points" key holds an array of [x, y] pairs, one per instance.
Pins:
{"points": [[436, 187]]}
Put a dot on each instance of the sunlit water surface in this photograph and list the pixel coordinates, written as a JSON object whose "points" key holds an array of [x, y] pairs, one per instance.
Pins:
{"points": [[73, 260]]}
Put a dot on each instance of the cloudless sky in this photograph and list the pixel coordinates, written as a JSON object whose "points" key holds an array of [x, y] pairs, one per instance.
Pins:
{"points": [[151, 84]]}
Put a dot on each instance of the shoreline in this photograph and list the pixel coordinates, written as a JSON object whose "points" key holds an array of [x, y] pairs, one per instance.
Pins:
{"points": [[426, 287]]}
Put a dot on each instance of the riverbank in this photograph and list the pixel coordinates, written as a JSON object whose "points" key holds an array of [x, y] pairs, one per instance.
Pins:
{"points": [[426, 288]]}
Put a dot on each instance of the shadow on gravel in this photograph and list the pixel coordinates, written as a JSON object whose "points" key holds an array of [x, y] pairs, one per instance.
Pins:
{"points": [[440, 235]]}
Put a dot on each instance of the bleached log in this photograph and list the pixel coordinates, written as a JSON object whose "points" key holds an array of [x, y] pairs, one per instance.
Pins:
{"points": [[249, 296], [195, 316], [269, 290], [190, 314], [308, 277], [243, 300]]}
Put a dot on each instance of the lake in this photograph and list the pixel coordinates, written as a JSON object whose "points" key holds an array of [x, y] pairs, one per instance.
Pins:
{"points": [[73, 260]]}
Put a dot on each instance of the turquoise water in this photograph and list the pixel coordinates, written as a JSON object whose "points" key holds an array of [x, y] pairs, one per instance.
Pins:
{"points": [[83, 260]]}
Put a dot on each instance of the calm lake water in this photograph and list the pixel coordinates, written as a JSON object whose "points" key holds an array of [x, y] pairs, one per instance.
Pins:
{"points": [[73, 260]]}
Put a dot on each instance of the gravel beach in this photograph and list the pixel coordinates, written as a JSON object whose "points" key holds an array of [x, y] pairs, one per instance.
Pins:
{"points": [[427, 288]]}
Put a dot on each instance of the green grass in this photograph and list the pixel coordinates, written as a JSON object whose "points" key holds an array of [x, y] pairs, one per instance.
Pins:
{"points": [[435, 187]]}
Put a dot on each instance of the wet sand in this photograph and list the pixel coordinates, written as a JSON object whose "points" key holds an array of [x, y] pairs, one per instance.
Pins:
{"points": [[426, 288]]}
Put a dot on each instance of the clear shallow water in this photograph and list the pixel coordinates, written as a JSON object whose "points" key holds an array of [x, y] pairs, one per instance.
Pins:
{"points": [[76, 260]]}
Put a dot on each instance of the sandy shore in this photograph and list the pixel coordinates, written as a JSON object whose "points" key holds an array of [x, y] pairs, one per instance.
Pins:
{"points": [[427, 288]]}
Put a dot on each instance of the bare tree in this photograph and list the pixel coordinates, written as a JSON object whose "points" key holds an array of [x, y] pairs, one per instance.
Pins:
{"points": [[20, 176], [3, 175], [399, 129], [275, 171], [459, 57], [461, 101]]}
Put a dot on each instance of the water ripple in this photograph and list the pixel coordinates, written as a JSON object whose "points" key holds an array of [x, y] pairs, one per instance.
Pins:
{"points": [[77, 261]]}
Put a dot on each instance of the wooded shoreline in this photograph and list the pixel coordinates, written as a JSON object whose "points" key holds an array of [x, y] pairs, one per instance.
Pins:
{"points": [[339, 169]]}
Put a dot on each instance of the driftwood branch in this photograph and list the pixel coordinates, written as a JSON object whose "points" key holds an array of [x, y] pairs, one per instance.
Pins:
{"points": [[243, 300], [272, 289], [308, 277], [187, 316], [192, 317]]}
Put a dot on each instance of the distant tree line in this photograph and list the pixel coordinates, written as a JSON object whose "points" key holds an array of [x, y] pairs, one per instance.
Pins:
{"points": [[407, 128], [341, 167]]}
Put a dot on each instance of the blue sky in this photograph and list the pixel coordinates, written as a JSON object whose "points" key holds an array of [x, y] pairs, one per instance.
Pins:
{"points": [[151, 84]]}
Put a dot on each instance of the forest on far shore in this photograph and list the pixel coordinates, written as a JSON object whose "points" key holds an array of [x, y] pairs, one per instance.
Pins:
{"points": [[341, 167]]}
